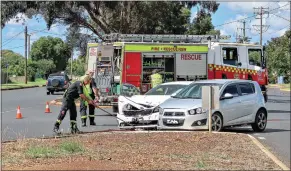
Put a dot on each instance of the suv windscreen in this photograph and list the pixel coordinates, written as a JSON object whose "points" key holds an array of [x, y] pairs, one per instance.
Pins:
{"points": [[194, 91]]}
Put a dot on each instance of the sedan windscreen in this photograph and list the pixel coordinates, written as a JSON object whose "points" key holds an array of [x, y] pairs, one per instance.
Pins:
{"points": [[165, 89], [194, 91]]}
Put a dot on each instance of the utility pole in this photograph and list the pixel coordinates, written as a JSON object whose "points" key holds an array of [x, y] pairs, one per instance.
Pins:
{"points": [[28, 35], [260, 12], [25, 53], [72, 64], [245, 38]]}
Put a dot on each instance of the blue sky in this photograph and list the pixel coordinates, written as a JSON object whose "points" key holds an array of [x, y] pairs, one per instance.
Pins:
{"points": [[228, 12]]}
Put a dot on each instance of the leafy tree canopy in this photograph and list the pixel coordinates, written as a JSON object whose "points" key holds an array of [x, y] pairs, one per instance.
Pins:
{"points": [[278, 55], [50, 48], [143, 17]]}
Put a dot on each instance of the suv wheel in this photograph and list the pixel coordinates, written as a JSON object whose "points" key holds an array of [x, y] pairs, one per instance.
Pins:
{"points": [[48, 93], [260, 121], [217, 122]]}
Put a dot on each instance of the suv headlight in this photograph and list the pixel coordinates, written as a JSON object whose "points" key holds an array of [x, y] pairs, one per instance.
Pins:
{"points": [[196, 111], [161, 111]]}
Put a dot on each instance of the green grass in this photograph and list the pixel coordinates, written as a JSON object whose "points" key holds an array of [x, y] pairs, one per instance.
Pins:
{"points": [[41, 152], [64, 148], [38, 82], [71, 147], [200, 164]]}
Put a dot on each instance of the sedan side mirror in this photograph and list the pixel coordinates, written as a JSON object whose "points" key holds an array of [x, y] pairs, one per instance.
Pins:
{"points": [[226, 96]]}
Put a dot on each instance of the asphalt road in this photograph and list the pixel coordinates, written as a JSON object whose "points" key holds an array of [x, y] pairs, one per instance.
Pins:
{"points": [[36, 123], [277, 133]]}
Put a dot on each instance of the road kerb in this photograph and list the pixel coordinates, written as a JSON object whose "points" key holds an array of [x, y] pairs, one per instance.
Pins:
{"points": [[268, 153], [53, 102], [18, 88]]}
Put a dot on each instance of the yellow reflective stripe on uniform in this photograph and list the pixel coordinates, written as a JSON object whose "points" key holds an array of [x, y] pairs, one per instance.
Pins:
{"points": [[65, 92], [91, 116], [72, 121], [83, 117], [59, 121]]}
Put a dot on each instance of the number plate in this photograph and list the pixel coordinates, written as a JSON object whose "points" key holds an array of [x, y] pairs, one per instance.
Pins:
{"points": [[172, 122]]}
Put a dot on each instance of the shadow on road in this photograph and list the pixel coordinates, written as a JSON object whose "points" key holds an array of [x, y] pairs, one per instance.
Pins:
{"points": [[250, 131], [58, 93], [278, 101], [278, 111], [286, 95]]}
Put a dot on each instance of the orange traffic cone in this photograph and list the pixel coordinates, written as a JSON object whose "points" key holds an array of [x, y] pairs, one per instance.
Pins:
{"points": [[18, 114], [47, 109]]}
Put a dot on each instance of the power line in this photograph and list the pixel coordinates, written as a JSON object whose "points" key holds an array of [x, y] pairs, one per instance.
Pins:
{"points": [[11, 38], [247, 17], [281, 17], [15, 47], [278, 30]]}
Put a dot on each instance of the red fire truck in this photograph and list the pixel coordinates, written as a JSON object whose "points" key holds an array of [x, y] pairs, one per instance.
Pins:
{"points": [[185, 57]]}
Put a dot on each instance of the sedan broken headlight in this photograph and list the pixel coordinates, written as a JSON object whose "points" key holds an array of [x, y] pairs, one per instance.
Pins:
{"points": [[129, 107], [156, 109], [197, 111]]}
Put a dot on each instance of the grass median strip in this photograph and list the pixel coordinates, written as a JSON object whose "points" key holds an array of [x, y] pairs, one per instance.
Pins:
{"points": [[38, 82], [143, 151]]}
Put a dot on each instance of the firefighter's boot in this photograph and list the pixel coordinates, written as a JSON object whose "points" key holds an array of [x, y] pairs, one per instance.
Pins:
{"points": [[84, 122], [57, 128], [92, 121], [74, 128]]}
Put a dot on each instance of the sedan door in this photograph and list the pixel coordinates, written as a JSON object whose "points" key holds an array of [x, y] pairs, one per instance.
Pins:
{"points": [[248, 101], [231, 108]]}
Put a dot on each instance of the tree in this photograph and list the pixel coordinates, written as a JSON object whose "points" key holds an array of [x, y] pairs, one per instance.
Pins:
{"points": [[278, 56], [143, 17], [202, 24], [78, 67], [50, 48], [14, 61]]}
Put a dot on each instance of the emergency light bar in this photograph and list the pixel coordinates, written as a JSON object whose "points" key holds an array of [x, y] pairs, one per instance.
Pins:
{"points": [[161, 38]]}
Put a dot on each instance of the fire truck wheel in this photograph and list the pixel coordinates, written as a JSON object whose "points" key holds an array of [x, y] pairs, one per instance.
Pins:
{"points": [[250, 77], [224, 76]]}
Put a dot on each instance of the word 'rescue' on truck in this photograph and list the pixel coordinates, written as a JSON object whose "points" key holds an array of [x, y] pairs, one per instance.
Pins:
{"points": [[180, 57]]}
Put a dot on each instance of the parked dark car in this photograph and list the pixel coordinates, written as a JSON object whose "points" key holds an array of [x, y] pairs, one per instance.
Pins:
{"points": [[57, 82]]}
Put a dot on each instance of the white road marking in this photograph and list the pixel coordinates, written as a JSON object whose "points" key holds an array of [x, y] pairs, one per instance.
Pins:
{"points": [[262, 138]]}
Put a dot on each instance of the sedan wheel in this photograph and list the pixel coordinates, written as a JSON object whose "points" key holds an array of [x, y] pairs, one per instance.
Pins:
{"points": [[217, 122], [260, 121]]}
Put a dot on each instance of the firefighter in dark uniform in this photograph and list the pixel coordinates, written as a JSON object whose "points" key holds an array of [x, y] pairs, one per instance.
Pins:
{"points": [[94, 94], [73, 92]]}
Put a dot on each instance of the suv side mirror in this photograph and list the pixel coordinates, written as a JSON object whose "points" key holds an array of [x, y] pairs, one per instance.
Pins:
{"points": [[226, 96]]}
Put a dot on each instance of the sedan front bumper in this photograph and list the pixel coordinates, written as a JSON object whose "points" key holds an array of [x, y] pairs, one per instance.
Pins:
{"points": [[138, 121], [186, 122]]}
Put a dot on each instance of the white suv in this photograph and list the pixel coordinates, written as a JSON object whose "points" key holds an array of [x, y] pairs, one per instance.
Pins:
{"points": [[241, 103]]}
